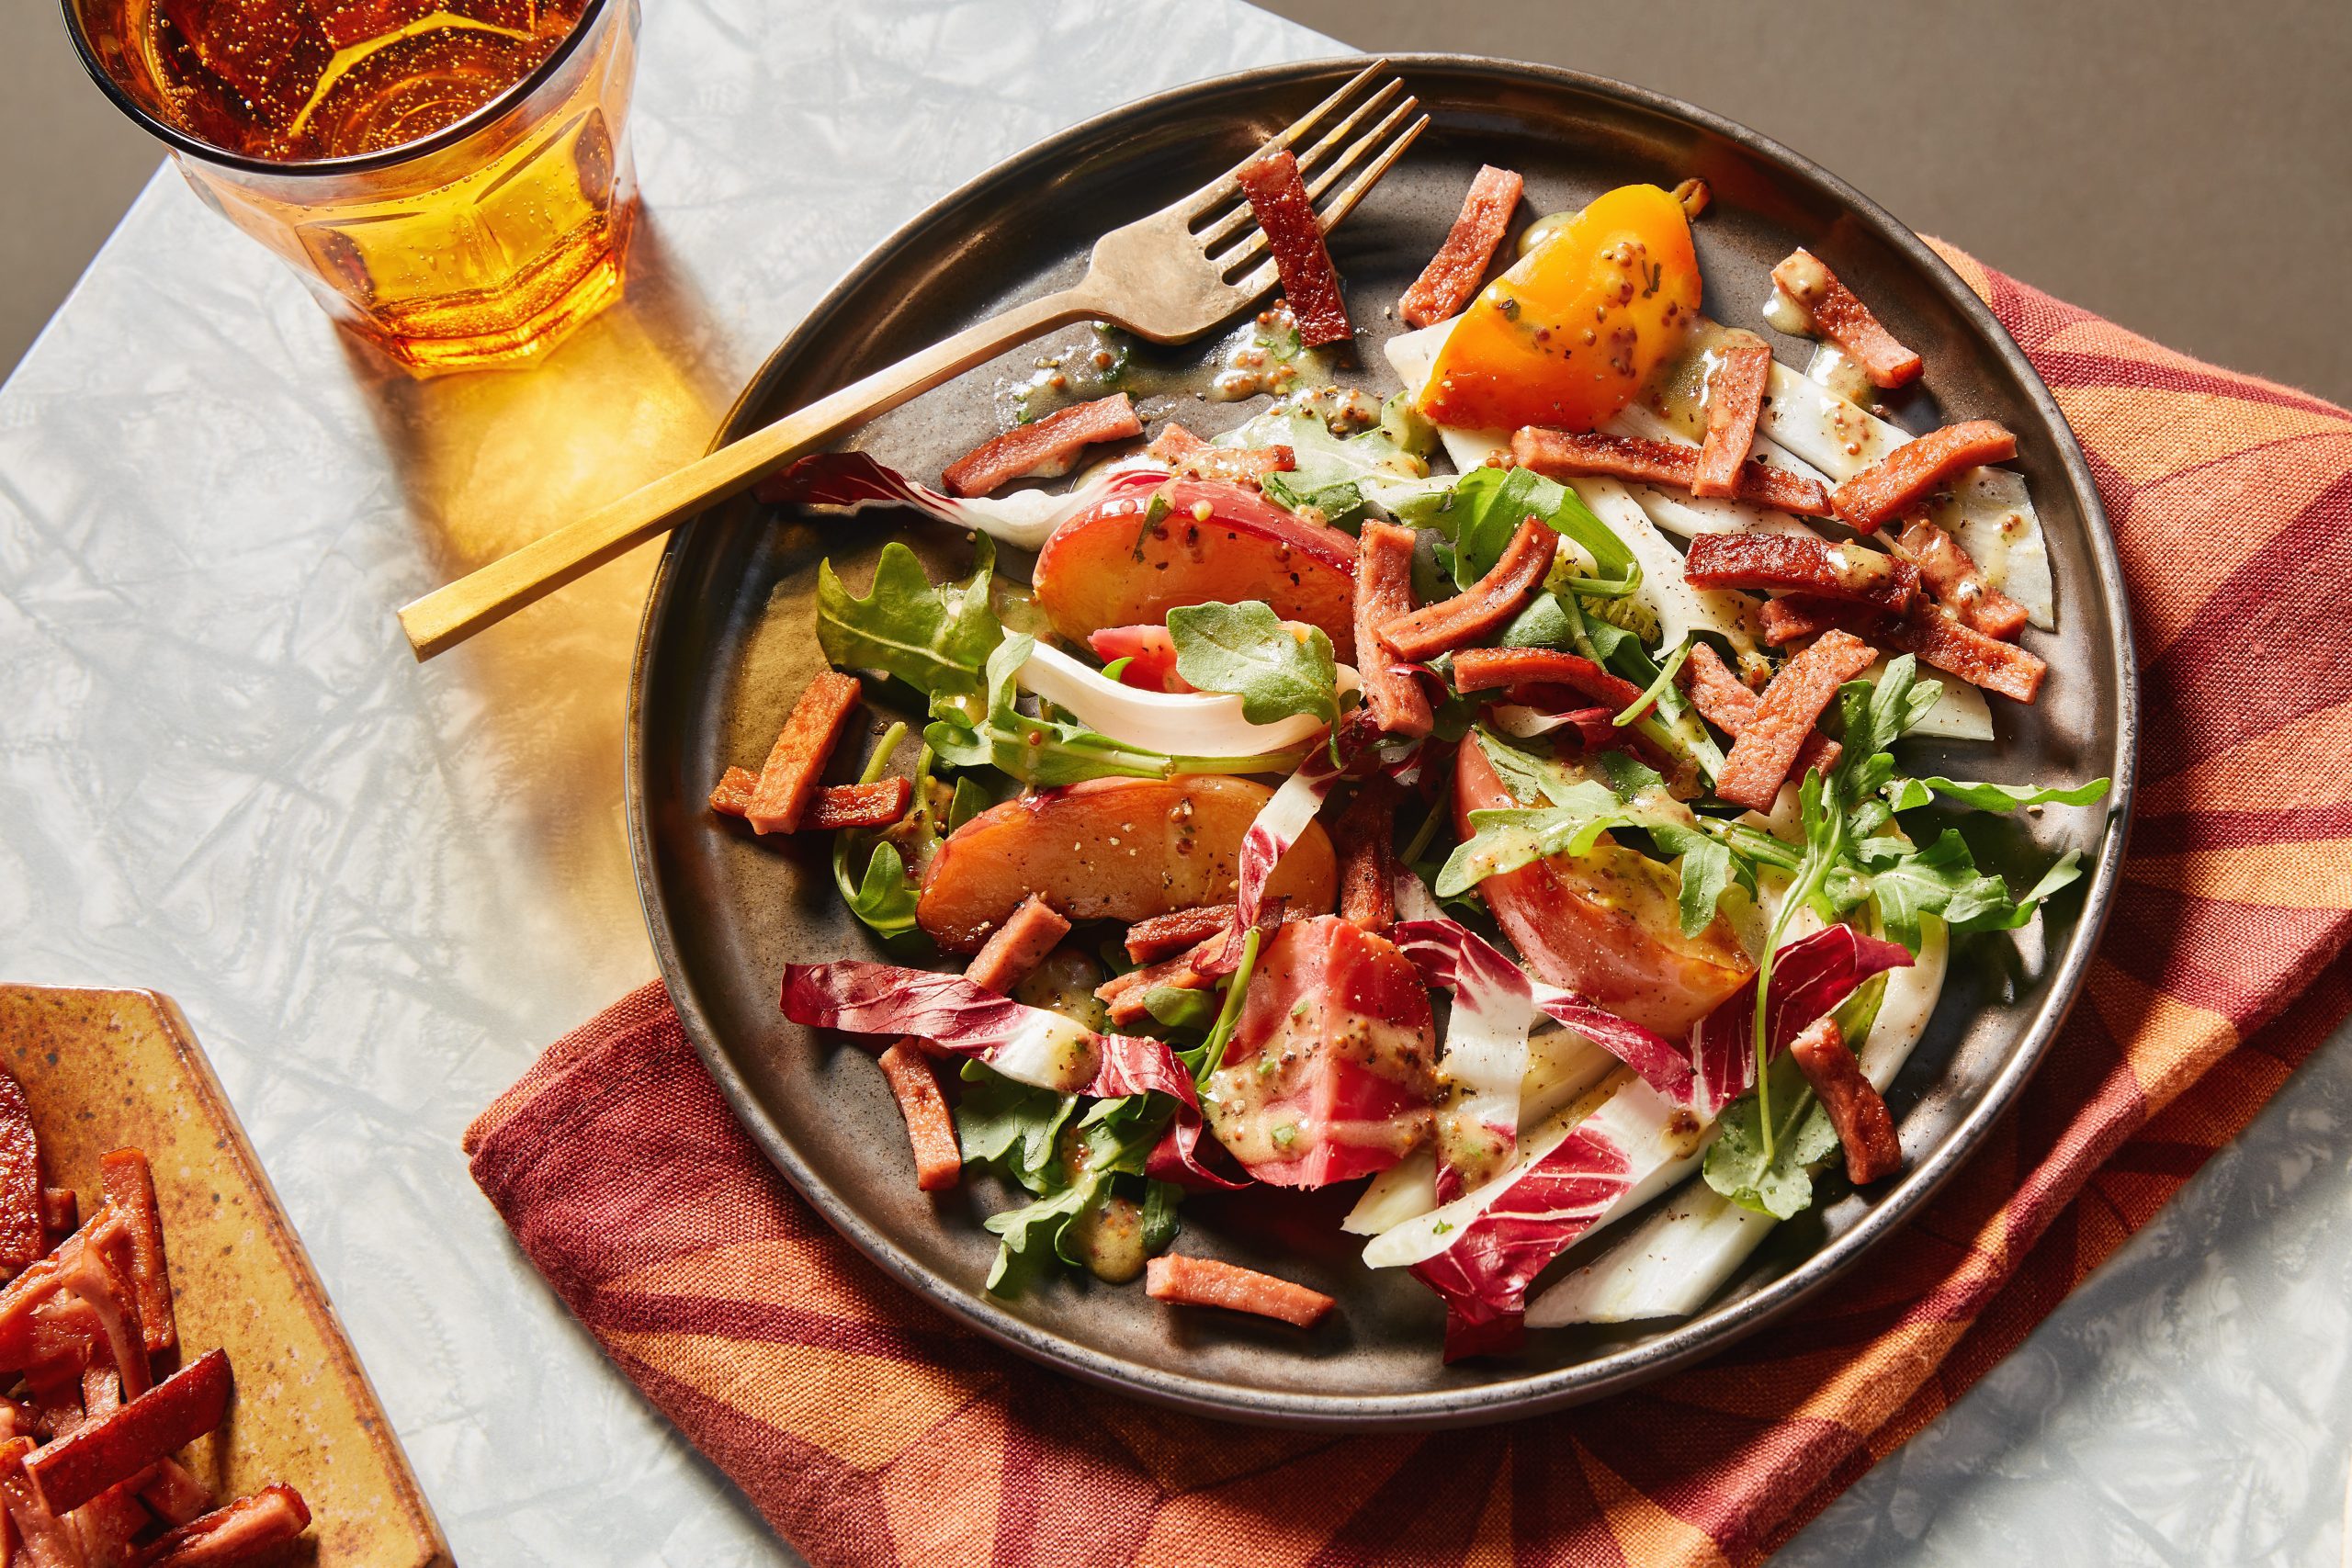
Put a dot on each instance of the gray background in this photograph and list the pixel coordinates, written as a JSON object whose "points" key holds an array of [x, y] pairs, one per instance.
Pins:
{"points": [[378, 888], [2182, 167]]}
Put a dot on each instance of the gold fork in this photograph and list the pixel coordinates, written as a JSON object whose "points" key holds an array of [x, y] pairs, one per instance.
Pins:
{"points": [[1168, 279]]}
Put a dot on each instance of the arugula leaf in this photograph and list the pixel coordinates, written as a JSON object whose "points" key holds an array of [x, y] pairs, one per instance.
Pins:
{"points": [[1405, 425], [1706, 870], [1181, 1008], [1544, 623], [1903, 794], [1013, 1128], [884, 896], [1112, 1139], [1876, 714], [1577, 812], [1042, 750], [1340, 502], [1943, 880], [935, 638], [1159, 1223], [1246, 650], [967, 801], [1029, 1238], [1768, 1172], [1490, 504]]}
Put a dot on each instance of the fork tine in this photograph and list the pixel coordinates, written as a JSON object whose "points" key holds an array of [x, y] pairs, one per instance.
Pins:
{"points": [[1345, 203], [1226, 184], [1308, 161]]}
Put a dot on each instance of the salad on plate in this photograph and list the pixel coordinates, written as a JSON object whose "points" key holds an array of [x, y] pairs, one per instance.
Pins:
{"points": [[1489, 796]]}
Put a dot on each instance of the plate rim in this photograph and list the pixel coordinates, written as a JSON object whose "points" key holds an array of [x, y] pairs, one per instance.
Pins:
{"points": [[1618, 1370]]}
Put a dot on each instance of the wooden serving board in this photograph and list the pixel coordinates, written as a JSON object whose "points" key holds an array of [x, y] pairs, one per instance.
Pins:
{"points": [[106, 1069]]}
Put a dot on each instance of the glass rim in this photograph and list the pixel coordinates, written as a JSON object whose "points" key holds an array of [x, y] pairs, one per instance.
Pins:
{"points": [[448, 136]]}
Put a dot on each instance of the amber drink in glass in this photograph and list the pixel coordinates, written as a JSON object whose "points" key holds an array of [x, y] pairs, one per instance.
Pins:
{"points": [[451, 177]]}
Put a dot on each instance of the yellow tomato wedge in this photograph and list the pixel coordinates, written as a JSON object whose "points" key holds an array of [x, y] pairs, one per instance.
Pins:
{"points": [[1567, 336]]}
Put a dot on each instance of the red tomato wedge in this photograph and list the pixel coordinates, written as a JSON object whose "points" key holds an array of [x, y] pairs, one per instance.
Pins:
{"points": [[1150, 654], [1604, 924], [1329, 1076]]}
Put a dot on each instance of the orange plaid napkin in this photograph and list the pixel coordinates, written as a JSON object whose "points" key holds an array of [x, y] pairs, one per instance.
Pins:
{"points": [[872, 1431]]}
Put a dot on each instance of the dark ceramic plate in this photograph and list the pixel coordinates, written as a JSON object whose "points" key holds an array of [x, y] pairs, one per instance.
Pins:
{"points": [[729, 640]]}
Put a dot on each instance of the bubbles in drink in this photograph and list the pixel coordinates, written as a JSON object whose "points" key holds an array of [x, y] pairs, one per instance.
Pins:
{"points": [[295, 80]]}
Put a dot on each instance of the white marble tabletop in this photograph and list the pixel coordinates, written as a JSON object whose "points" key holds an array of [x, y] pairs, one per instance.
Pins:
{"points": [[377, 889]]}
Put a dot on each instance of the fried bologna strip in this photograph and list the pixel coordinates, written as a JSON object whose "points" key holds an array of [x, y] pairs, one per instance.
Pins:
{"points": [[876, 805], [1383, 593], [113, 1449], [60, 1213], [23, 1237], [1483, 669], [1481, 609], [1873, 1151], [1724, 702], [1902, 479], [1564, 454], [1204, 1281], [1278, 200], [1929, 631], [1735, 397], [175, 1494], [1953, 576], [130, 1186], [1004, 961], [1124, 994], [1796, 616], [1200, 966], [1017, 946], [1939, 637], [1164, 936], [42, 1540], [788, 779], [245, 1531], [1365, 836], [1188, 457], [1802, 562], [1845, 321], [1046, 444], [939, 1160], [1454, 274], [1767, 748]]}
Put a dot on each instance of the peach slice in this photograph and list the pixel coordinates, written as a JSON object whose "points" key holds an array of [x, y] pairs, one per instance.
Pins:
{"points": [[1112, 850], [1604, 924], [1215, 543]]}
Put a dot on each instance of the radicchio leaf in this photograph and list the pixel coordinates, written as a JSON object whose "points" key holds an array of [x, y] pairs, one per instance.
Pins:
{"points": [[1179, 1158], [1279, 824], [1485, 1048], [1027, 1044], [845, 482], [1439, 947], [1541, 1213], [1809, 978], [1481, 1251]]}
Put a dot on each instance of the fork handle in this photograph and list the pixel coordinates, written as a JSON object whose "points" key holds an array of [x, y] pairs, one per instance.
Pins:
{"points": [[446, 616]]}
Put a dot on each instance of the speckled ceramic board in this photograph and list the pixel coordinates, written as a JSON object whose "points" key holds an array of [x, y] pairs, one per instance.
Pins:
{"points": [[729, 640], [106, 1069]]}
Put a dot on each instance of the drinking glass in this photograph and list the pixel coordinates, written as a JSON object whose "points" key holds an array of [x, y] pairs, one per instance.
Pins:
{"points": [[451, 178]]}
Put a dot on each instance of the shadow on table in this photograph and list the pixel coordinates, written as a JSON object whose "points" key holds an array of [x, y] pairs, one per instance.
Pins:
{"points": [[492, 460]]}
